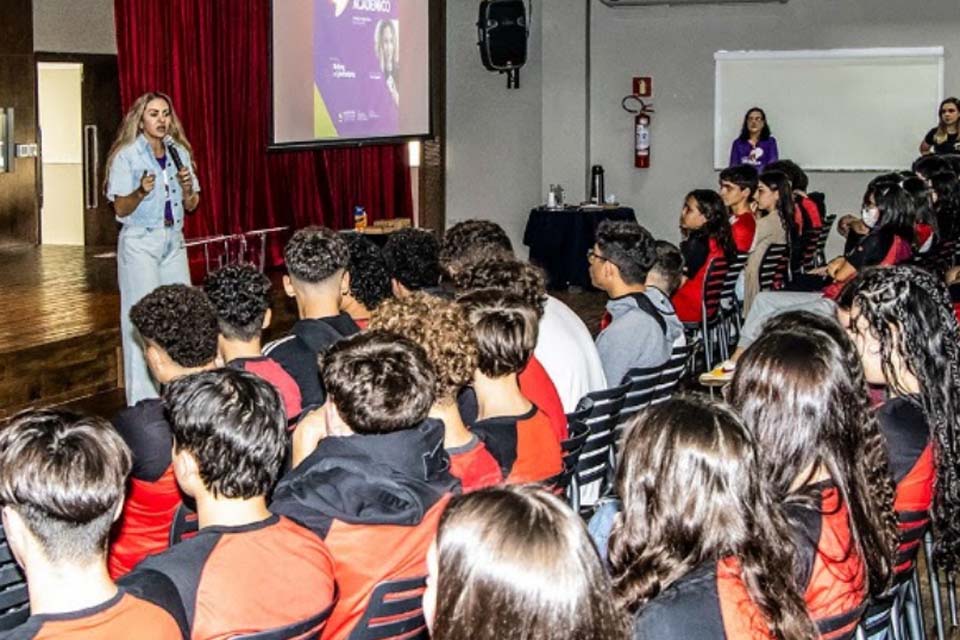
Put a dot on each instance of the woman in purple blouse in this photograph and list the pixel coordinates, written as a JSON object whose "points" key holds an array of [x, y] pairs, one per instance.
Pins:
{"points": [[755, 146]]}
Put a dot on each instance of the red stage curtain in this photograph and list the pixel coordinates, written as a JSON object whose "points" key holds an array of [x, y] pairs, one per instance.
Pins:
{"points": [[211, 57]]}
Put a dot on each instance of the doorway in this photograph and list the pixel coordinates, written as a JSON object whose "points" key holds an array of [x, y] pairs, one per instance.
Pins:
{"points": [[78, 107]]}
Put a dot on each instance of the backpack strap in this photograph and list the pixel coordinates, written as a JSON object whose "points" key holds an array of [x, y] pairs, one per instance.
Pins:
{"points": [[646, 305]]}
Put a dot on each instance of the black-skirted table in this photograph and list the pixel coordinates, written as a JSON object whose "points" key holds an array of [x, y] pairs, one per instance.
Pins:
{"points": [[560, 238]]}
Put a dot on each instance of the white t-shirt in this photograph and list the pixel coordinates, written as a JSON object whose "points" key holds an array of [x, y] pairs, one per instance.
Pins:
{"points": [[566, 350]]}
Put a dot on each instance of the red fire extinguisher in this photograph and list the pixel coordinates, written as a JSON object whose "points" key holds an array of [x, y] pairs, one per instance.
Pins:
{"points": [[641, 128]]}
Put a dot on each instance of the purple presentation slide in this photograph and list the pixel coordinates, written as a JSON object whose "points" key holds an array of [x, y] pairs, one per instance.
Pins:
{"points": [[356, 70]]}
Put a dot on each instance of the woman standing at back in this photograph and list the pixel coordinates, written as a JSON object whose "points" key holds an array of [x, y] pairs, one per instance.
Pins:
{"points": [[754, 146], [943, 138]]}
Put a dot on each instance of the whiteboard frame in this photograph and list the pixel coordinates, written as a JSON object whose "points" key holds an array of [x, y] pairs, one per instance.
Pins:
{"points": [[814, 54]]}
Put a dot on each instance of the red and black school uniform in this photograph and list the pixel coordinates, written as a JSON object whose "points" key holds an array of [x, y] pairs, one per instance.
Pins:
{"points": [[537, 387], [698, 251], [297, 352], [148, 608], [910, 456], [525, 446], [743, 228], [376, 500], [709, 603], [270, 370], [232, 580], [474, 466], [153, 495], [830, 570]]}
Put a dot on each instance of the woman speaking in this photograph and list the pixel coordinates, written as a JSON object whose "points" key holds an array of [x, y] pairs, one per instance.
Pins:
{"points": [[754, 146], [151, 182]]}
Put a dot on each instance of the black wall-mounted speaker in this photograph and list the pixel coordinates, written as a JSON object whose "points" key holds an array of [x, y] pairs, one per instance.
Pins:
{"points": [[502, 30]]}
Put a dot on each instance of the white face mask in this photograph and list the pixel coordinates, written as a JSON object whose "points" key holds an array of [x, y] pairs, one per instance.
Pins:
{"points": [[870, 216]]}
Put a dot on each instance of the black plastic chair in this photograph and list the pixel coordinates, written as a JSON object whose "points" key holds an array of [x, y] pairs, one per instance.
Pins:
{"points": [[820, 258], [566, 482], [309, 628], [709, 329], [674, 371], [773, 267], [600, 412], [730, 307], [14, 598], [395, 612], [642, 389]]}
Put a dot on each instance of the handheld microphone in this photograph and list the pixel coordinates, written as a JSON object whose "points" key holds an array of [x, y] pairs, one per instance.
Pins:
{"points": [[174, 154]]}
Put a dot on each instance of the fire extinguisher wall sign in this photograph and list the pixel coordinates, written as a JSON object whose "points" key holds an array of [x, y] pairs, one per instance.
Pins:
{"points": [[641, 159], [641, 111]]}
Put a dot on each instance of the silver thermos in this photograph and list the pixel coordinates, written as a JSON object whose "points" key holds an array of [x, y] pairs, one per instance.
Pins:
{"points": [[596, 185]]}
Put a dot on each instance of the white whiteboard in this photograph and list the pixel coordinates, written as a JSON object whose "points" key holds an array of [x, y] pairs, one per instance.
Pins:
{"points": [[832, 110]]}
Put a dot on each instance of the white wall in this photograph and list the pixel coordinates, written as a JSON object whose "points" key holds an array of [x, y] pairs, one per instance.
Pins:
{"points": [[676, 44], [74, 26], [58, 104], [493, 134]]}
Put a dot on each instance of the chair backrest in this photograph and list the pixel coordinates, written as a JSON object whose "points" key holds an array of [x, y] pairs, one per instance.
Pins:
{"points": [[302, 630], [673, 371], [734, 268], [185, 524], [14, 598], [600, 412], [643, 383], [565, 482], [713, 288], [395, 612], [773, 267]]}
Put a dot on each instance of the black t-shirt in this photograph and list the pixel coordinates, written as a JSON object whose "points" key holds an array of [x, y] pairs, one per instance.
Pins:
{"points": [[950, 145]]}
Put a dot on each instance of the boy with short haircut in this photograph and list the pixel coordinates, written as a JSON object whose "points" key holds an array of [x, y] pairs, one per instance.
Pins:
{"points": [[738, 185], [316, 259], [370, 473], [246, 570], [443, 330], [179, 328], [666, 274], [412, 257], [640, 326], [241, 297], [515, 430], [62, 478]]}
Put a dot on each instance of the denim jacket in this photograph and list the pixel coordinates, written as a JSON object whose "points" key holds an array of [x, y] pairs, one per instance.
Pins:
{"points": [[129, 165]]}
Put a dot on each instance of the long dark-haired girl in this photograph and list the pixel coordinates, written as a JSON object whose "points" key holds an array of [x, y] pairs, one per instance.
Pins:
{"points": [[904, 327], [700, 550], [705, 226], [516, 562], [800, 389]]}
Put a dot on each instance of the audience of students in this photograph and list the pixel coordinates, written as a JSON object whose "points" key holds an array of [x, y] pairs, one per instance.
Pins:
{"points": [[247, 570], [367, 281], [178, 327], [316, 260], [241, 297], [780, 515], [640, 326]]}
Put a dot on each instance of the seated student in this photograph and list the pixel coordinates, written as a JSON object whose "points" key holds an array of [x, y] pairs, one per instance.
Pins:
{"points": [[241, 296], [946, 203], [62, 478], [492, 577], [773, 227], [179, 328], [914, 355], [800, 390], [441, 327], [565, 347], [738, 186], [247, 570], [666, 274], [412, 258], [367, 282], [641, 325], [888, 211], [316, 259], [699, 549], [529, 282], [370, 471], [706, 229], [807, 212], [515, 430]]}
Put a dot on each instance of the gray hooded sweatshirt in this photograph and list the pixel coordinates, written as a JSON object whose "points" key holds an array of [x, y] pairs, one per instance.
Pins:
{"points": [[634, 337]]}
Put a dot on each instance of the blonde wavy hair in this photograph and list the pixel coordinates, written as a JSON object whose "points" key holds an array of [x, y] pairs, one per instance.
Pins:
{"points": [[130, 127], [442, 328]]}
